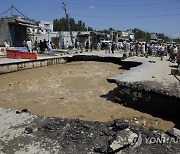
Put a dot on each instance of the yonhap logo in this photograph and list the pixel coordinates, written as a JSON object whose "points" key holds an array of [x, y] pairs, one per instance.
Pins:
{"points": [[135, 140], [162, 140]]}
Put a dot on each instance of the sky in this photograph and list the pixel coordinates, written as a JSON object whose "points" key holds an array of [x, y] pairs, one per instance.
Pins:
{"points": [[159, 16]]}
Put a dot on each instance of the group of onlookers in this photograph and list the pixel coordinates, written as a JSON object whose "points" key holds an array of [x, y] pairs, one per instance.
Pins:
{"points": [[138, 48], [143, 49], [39, 46]]}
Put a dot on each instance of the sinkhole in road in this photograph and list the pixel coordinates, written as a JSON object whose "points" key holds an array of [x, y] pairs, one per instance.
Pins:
{"points": [[71, 90]]}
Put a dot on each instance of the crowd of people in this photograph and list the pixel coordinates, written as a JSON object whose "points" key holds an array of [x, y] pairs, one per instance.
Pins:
{"points": [[137, 48], [39, 46]]}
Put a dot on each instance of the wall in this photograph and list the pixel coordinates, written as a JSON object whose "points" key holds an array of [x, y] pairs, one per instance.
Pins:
{"points": [[3, 31], [18, 34]]}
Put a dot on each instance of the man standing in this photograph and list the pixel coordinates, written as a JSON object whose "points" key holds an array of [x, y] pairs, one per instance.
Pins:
{"points": [[178, 54], [29, 45], [136, 48], [113, 47], [87, 46], [49, 47], [67, 45], [36, 45], [45, 45]]}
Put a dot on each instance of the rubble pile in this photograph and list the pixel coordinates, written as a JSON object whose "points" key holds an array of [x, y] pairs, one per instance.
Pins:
{"points": [[117, 136], [57, 135]]}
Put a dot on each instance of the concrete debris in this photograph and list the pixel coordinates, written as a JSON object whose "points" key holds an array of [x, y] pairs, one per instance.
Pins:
{"points": [[144, 123], [174, 132], [26, 133], [120, 125], [22, 111], [122, 140], [28, 130]]}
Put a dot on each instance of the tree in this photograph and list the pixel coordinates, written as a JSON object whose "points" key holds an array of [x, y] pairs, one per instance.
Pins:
{"points": [[146, 36], [106, 31], [163, 37], [62, 25], [139, 34], [80, 26], [90, 29]]}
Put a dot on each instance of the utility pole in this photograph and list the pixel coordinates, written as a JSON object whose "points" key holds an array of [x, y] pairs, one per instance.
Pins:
{"points": [[68, 21]]}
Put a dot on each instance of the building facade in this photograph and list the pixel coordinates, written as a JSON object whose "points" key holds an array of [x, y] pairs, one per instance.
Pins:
{"points": [[14, 30]]}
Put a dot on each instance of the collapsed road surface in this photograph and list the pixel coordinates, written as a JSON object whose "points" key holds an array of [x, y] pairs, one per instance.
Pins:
{"points": [[150, 88], [72, 90], [23, 132]]}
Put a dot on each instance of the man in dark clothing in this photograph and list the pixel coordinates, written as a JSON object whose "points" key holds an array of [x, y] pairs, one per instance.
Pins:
{"points": [[113, 47], [41, 46], [87, 46], [44, 45], [91, 46]]}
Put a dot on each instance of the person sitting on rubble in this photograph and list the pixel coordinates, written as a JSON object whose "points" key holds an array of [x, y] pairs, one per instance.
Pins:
{"points": [[6, 44]]}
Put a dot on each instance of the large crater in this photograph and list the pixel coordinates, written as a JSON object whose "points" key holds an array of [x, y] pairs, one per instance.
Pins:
{"points": [[72, 90]]}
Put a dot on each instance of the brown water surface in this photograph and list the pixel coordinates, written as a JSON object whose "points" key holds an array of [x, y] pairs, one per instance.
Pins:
{"points": [[70, 90]]}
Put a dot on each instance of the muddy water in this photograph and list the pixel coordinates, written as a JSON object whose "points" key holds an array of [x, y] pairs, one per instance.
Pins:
{"points": [[72, 90]]}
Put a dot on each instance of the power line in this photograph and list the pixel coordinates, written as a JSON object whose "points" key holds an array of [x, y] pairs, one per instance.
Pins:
{"points": [[166, 6], [11, 9], [5, 11], [20, 12], [125, 5], [48, 12], [124, 10], [128, 17]]}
